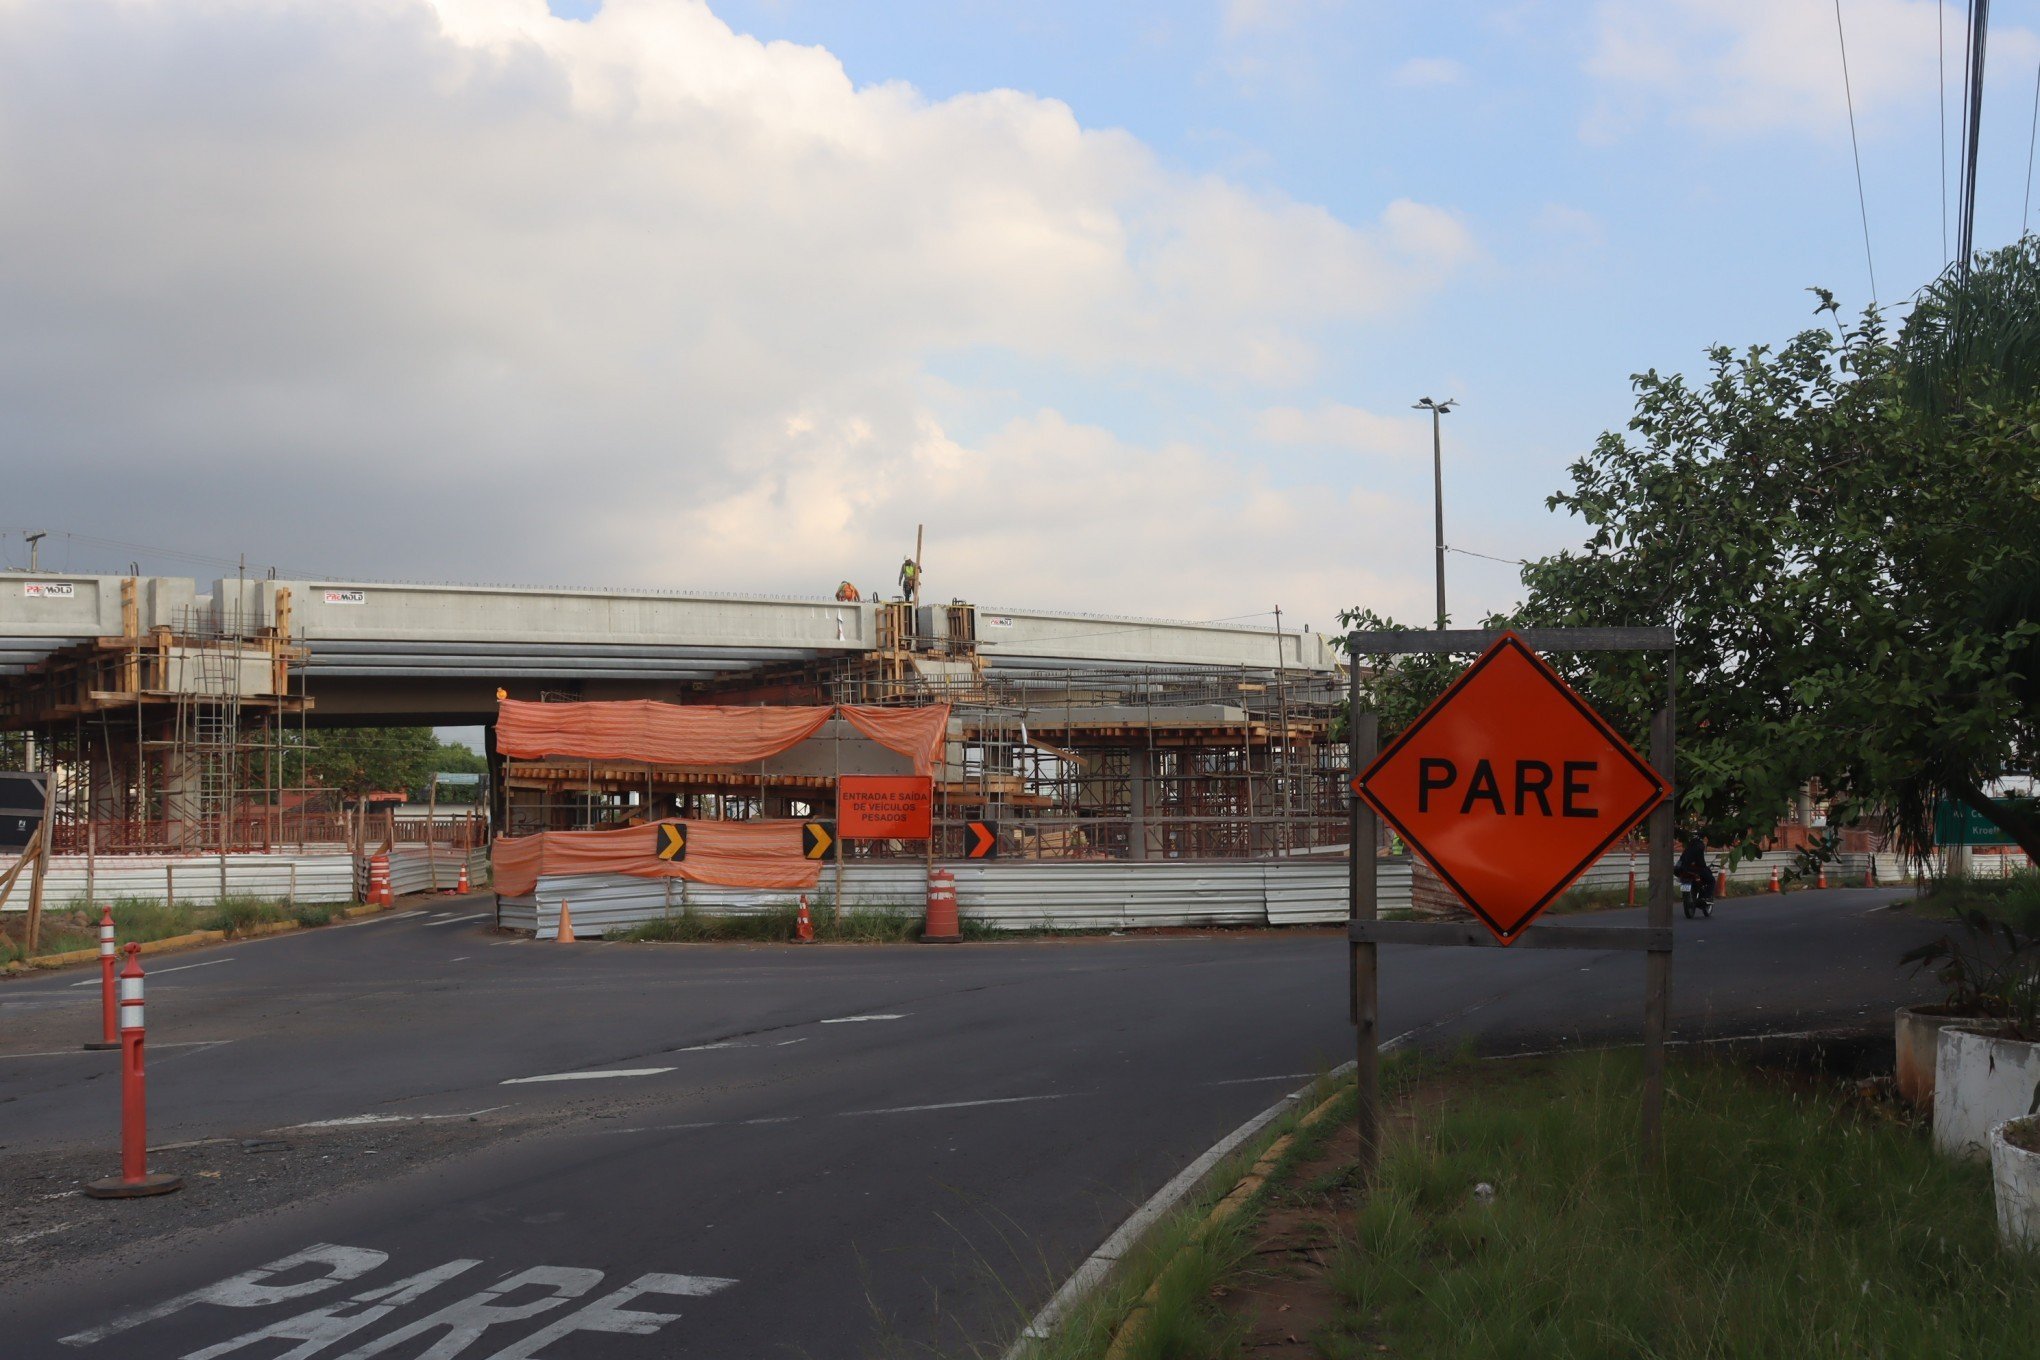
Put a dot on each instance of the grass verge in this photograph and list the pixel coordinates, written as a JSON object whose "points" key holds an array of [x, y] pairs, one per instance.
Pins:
{"points": [[1162, 1300], [140, 920], [1789, 1221], [2014, 900]]}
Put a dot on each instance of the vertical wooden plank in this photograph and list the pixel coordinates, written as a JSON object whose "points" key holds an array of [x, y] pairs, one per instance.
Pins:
{"points": [[1363, 736], [46, 834], [1657, 978]]}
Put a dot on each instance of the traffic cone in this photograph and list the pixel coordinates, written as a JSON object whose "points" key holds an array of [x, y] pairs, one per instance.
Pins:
{"points": [[806, 927], [462, 886], [1820, 879], [1774, 879], [566, 935], [1721, 882]]}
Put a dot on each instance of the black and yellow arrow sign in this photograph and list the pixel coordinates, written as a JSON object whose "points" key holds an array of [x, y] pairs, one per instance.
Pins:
{"points": [[672, 841], [984, 840], [816, 838]]}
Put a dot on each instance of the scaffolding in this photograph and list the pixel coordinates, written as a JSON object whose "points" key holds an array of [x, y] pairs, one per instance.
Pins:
{"points": [[1105, 763], [187, 738]]}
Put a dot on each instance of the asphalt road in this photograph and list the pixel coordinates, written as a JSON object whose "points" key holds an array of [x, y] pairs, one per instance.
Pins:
{"points": [[822, 1151]]}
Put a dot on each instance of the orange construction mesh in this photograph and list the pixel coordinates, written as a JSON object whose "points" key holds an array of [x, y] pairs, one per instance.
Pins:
{"points": [[731, 854], [703, 734]]}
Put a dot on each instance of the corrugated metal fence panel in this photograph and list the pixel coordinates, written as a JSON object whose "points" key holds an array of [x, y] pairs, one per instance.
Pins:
{"points": [[607, 904], [1302, 892], [1105, 894], [193, 879]]}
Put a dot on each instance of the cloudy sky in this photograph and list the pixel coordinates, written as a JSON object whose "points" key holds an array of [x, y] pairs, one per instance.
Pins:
{"points": [[1127, 303]]}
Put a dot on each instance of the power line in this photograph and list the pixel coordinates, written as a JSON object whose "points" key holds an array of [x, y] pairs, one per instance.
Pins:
{"points": [[1972, 90], [2031, 136], [1862, 204]]}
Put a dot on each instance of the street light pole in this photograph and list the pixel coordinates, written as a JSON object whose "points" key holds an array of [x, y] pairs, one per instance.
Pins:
{"points": [[1437, 409]]}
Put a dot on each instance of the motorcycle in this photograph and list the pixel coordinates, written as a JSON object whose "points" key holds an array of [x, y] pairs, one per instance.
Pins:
{"points": [[1697, 896]]}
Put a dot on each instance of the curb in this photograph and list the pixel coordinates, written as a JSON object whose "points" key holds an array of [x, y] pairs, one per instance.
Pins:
{"points": [[1092, 1273], [1242, 1194], [170, 944]]}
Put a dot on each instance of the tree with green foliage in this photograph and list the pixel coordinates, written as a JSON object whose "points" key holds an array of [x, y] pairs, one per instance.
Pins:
{"points": [[362, 760], [1845, 533]]}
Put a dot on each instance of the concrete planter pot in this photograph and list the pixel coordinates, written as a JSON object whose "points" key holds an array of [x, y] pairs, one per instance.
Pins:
{"points": [[1917, 1031], [2015, 1181], [1980, 1080]]}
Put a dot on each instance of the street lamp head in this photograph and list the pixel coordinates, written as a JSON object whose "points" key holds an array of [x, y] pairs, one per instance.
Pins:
{"points": [[1441, 407]]}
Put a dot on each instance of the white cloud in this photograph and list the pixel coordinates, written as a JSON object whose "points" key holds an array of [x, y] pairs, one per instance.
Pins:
{"points": [[1245, 16], [1043, 510], [1421, 72], [400, 286], [1742, 66], [1335, 425]]}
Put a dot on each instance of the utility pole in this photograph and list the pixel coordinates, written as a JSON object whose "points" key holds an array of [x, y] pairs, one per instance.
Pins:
{"points": [[1438, 409], [34, 551]]}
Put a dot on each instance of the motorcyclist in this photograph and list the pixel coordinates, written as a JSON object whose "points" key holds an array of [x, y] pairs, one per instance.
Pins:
{"points": [[1692, 867]]}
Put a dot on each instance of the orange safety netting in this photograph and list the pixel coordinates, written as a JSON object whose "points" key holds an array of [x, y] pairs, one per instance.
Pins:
{"points": [[703, 734], [730, 854]]}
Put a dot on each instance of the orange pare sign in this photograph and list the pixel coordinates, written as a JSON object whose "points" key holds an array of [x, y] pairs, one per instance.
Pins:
{"points": [[1510, 786]]}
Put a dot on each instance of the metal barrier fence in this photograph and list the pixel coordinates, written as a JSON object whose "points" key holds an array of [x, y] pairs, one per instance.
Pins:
{"points": [[1073, 895], [191, 879]]}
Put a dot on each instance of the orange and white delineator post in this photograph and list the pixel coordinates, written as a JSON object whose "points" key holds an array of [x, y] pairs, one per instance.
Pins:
{"points": [[1774, 879], [804, 925], [109, 1023], [134, 1180], [379, 882]]}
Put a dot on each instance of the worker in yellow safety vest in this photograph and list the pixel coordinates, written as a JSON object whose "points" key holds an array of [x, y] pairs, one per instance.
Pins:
{"points": [[910, 580]]}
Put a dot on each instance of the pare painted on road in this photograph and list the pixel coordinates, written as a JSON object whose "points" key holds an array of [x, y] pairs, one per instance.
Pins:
{"points": [[491, 1322]]}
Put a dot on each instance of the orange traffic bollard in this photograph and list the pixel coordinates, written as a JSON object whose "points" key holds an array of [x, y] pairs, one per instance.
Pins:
{"points": [[134, 1179], [1721, 882], [109, 1027], [941, 926], [1774, 880], [804, 927]]}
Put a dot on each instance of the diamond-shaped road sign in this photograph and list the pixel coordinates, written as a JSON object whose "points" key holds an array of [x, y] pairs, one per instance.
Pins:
{"points": [[1510, 786]]}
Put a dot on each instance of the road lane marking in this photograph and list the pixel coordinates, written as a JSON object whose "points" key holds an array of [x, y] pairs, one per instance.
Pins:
{"points": [[710, 1048], [456, 920], [353, 1120], [158, 972], [463, 1320], [1249, 1081], [858, 1019], [955, 1105], [462, 959], [588, 1076]]}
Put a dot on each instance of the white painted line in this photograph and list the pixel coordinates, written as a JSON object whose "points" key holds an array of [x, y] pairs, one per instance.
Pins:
{"points": [[956, 1105], [158, 972], [398, 917], [1249, 1081], [521, 939], [858, 1019], [588, 1076], [456, 920], [462, 959], [710, 1048], [19, 1238], [352, 1120]]}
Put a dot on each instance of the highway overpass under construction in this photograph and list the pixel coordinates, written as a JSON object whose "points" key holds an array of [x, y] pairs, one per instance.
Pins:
{"points": [[176, 715]]}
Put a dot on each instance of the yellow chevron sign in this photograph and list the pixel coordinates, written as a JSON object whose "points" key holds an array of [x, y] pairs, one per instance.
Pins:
{"points": [[672, 841], [816, 838]]}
